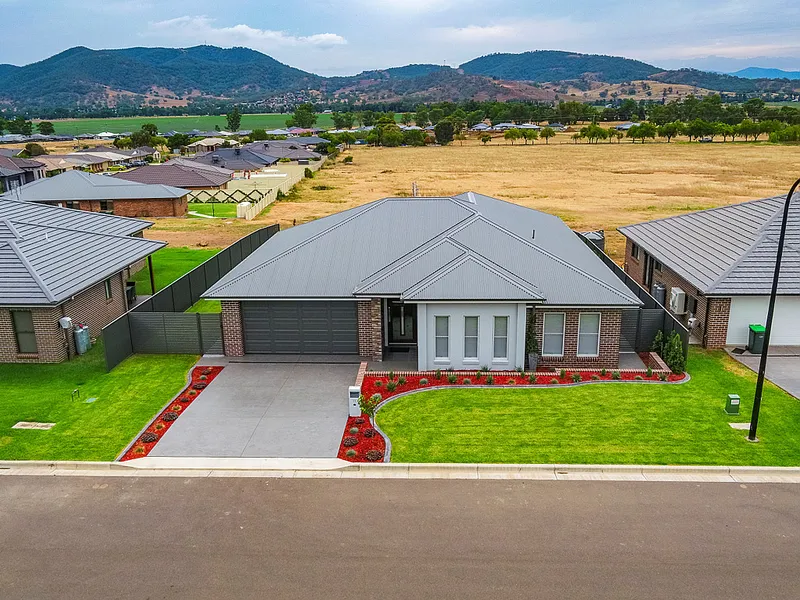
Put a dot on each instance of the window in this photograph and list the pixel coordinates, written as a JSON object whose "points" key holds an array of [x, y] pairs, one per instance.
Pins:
{"points": [[107, 206], [471, 337], [24, 332], [635, 251], [657, 265], [442, 349], [501, 337], [589, 334], [109, 289], [553, 342]]}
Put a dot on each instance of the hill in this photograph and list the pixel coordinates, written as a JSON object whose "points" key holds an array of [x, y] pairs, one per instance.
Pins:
{"points": [[720, 82], [762, 73], [552, 65]]}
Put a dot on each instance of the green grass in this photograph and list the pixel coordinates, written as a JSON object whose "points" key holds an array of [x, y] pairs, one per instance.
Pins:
{"points": [[205, 306], [170, 264], [599, 423], [213, 209], [127, 398], [203, 123]]}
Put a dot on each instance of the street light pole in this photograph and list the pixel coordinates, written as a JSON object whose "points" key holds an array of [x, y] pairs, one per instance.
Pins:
{"points": [[762, 368]]}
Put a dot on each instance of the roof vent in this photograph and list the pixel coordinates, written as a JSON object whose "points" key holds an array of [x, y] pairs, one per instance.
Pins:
{"points": [[471, 198], [533, 234]]}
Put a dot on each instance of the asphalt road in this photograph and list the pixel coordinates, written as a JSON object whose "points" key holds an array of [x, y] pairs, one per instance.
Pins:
{"points": [[152, 538]]}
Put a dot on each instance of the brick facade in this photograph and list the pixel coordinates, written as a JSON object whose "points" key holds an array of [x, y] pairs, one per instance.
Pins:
{"points": [[370, 329], [610, 325], [89, 307], [232, 332], [158, 207], [713, 328]]}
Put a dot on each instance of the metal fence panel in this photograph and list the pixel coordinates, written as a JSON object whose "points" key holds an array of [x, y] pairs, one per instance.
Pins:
{"points": [[117, 341], [211, 333], [629, 329]]}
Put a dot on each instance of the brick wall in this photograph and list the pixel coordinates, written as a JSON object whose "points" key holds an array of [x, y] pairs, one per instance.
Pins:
{"points": [[167, 207], [90, 308], [634, 267], [370, 329], [232, 336], [716, 328], [610, 323]]}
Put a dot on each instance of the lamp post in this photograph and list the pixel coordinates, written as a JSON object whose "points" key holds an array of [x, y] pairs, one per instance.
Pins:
{"points": [[762, 368]]}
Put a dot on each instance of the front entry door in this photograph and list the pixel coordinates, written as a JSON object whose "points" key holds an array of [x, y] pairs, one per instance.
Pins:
{"points": [[402, 323]]}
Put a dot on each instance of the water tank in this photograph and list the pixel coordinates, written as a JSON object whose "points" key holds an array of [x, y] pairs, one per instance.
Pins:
{"points": [[82, 341], [659, 292]]}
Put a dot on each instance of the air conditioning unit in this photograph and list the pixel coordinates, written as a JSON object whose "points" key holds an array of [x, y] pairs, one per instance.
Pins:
{"points": [[677, 301]]}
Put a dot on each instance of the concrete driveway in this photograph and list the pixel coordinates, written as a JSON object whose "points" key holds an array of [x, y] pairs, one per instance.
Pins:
{"points": [[265, 410], [783, 367]]}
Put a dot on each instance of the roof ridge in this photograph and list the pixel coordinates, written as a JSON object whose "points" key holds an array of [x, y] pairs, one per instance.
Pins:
{"points": [[31, 271], [555, 258], [81, 230], [99, 215]]}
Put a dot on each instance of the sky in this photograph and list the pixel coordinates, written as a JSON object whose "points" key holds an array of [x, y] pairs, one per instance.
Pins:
{"points": [[346, 37]]}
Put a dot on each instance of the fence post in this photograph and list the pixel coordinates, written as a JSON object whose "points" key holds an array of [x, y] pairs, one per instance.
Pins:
{"points": [[200, 334]]}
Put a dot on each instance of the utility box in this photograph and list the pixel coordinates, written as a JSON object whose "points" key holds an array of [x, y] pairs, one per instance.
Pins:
{"points": [[353, 394], [732, 404], [755, 341], [83, 342]]}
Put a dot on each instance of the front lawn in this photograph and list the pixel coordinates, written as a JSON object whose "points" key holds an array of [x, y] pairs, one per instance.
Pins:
{"points": [[226, 210], [125, 400], [170, 264], [607, 423]]}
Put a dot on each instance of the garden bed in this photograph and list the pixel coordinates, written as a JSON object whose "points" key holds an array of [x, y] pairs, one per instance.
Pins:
{"points": [[361, 442], [199, 379]]}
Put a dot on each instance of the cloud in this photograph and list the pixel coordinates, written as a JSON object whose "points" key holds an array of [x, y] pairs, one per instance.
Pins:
{"points": [[201, 29], [410, 7]]}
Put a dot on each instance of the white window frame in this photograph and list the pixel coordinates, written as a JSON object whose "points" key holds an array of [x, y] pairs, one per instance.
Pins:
{"points": [[599, 332], [436, 338], [563, 331], [477, 337], [635, 252], [109, 289], [495, 336]]}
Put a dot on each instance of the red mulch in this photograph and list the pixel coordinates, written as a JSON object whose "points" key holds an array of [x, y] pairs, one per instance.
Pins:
{"points": [[377, 385], [365, 444], [201, 376]]}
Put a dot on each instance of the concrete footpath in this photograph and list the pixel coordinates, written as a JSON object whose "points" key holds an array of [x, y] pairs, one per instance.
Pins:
{"points": [[339, 469]]}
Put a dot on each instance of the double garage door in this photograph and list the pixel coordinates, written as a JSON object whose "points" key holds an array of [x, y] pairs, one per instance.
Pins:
{"points": [[300, 327]]}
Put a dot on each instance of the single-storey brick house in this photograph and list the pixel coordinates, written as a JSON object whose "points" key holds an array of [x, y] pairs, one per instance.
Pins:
{"points": [[719, 263], [188, 175], [58, 262], [101, 193], [454, 280]]}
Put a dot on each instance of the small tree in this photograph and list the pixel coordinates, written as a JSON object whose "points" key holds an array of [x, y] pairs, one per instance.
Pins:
{"points": [[304, 116], [46, 128], [673, 354], [234, 119], [530, 134], [444, 131], [546, 133], [486, 138], [258, 135], [32, 149], [512, 135]]}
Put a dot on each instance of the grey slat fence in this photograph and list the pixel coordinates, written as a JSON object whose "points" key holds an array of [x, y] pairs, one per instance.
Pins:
{"points": [[160, 325], [651, 317]]}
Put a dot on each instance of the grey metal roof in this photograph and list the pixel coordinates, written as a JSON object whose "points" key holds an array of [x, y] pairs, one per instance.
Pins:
{"points": [[176, 175], [236, 159], [468, 247], [78, 185], [726, 251], [282, 149], [48, 254]]}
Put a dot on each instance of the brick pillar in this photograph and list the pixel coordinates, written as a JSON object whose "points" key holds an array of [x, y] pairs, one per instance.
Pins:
{"points": [[716, 331], [370, 329], [232, 337]]}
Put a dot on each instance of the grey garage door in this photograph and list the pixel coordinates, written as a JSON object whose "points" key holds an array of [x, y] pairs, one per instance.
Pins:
{"points": [[300, 327]]}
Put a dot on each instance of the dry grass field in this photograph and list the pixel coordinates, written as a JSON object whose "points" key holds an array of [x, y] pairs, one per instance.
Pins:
{"points": [[598, 186]]}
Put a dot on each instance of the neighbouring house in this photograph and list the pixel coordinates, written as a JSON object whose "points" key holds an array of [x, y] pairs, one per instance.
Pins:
{"points": [[237, 159], [453, 281], [289, 149], [184, 175], [147, 153], [480, 127], [56, 164], [108, 156], [716, 267], [626, 126], [100, 193], [16, 172], [56, 263], [208, 145]]}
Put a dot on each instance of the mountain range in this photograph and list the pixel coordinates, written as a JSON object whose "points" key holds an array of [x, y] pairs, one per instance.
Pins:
{"points": [[174, 77], [762, 73]]}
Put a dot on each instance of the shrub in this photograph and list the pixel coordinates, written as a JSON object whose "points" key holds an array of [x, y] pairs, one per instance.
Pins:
{"points": [[391, 375], [308, 173], [437, 373], [138, 450], [562, 373], [368, 433], [639, 378], [489, 380], [554, 381], [354, 430], [662, 376], [169, 416], [359, 421], [532, 378], [466, 381], [401, 381], [192, 393], [202, 377], [616, 375], [200, 386], [350, 452], [595, 377], [347, 160], [423, 381], [452, 378], [391, 386], [485, 368], [520, 370], [649, 372], [511, 382], [184, 399], [159, 426], [673, 354], [374, 455], [349, 441], [576, 377], [205, 372], [368, 405], [322, 188], [149, 437], [658, 343], [379, 383], [603, 372]]}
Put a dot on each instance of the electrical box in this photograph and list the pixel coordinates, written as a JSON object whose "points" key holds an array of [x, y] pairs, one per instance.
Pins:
{"points": [[353, 394], [732, 404], [677, 301]]}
